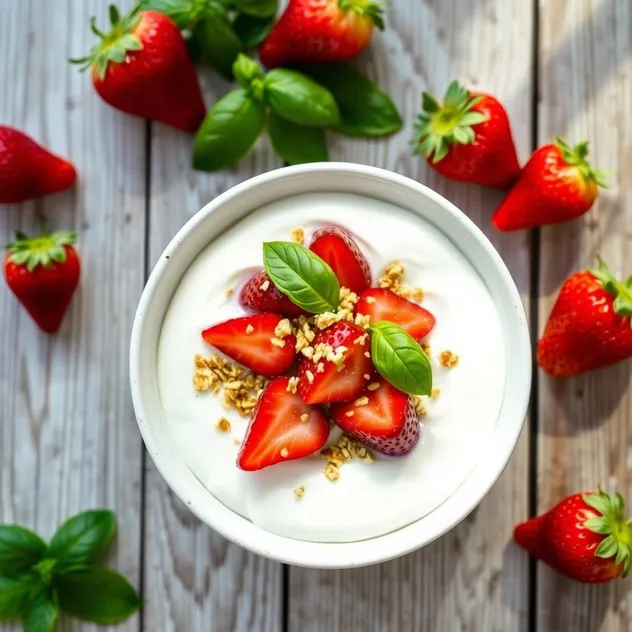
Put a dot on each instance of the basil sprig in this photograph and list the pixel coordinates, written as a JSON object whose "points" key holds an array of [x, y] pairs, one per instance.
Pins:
{"points": [[38, 581], [302, 276], [399, 359], [297, 144]]}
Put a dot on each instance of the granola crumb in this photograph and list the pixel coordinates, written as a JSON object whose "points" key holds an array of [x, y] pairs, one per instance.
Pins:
{"points": [[332, 472], [417, 294], [237, 441], [435, 392], [362, 320], [326, 319], [299, 492], [350, 413], [229, 292], [366, 376], [223, 425], [310, 376], [298, 236], [426, 347], [420, 406], [373, 386], [367, 354], [360, 340], [283, 329], [391, 279], [448, 359], [344, 450], [277, 342], [361, 401], [249, 329], [370, 300], [320, 367], [285, 453], [292, 385], [304, 417], [265, 285]]}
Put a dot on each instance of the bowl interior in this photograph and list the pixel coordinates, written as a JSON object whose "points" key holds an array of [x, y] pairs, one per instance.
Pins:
{"points": [[222, 213]]}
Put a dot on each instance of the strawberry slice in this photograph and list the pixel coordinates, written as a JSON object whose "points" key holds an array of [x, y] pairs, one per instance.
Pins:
{"points": [[341, 378], [250, 341], [282, 428], [381, 304], [260, 295], [337, 248], [387, 422]]}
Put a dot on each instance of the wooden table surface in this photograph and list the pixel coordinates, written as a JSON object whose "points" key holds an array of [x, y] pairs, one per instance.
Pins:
{"points": [[68, 439]]}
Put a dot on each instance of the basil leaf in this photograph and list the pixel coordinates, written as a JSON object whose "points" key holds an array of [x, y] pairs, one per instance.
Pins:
{"points": [[82, 538], [297, 98], [97, 594], [180, 11], [258, 8], [16, 595], [297, 144], [365, 109], [41, 616], [302, 276], [219, 45], [399, 359], [251, 30], [20, 549], [247, 70], [229, 130]]}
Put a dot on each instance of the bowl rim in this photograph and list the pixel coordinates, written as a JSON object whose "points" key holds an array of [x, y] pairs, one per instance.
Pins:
{"points": [[324, 555]]}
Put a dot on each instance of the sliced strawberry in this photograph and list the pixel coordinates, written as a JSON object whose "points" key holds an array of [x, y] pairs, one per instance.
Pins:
{"points": [[387, 423], [337, 248], [283, 427], [381, 304], [249, 341], [261, 295], [321, 380]]}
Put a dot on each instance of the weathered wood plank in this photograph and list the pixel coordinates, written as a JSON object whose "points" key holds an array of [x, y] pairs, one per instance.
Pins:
{"points": [[67, 435], [195, 579], [586, 93], [471, 579]]}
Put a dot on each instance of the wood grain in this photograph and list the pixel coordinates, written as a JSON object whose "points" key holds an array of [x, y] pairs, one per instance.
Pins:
{"points": [[584, 440], [196, 579], [68, 441], [471, 579]]}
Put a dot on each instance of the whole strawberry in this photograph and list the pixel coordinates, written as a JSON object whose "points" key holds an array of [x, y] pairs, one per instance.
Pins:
{"points": [[43, 273], [584, 537], [589, 325], [321, 31], [467, 138], [142, 67], [28, 170], [556, 185]]}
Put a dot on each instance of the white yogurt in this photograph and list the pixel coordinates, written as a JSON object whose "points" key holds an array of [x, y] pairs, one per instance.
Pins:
{"points": [[369, 499]]}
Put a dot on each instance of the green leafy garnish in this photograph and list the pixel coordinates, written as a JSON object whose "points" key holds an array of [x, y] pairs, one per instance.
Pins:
{"points": [[297, 144], [302, 276], [399, 359]]}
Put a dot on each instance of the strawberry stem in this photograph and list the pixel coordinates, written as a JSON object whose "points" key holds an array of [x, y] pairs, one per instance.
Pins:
{"points": [[369, 8], [44, 249], [621, 291], [577, 157], [441, 125]]}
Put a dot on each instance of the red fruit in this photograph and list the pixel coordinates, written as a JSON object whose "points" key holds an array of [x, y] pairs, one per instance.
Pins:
{"points": [[254, 296], [556, 185], [334, 246], [43, 273], [387, 423], [589, 325], [248, 340], [283, 427], [321, 31], [142, 67], [468, 138], [381, 304], [584, 537], [28, 170], [336, 382]]}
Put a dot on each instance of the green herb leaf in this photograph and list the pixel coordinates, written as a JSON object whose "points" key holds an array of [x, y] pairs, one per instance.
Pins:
{"points": [[299, 99], [83, 538], [297, 144], [219, 45], [365, 109], [180, 11], [399, 359], [41, 616], [251, 30], [302, 276], [20, 549], [258, 8], [97, 594], [16, 595], [229, 130], [247, 70]]}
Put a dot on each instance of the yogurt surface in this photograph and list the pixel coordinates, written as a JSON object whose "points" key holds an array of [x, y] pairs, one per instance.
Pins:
{"points": [[369, 499]]}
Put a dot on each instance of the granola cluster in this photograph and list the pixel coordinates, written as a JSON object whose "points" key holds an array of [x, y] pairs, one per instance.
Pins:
{"points": [[391, 279], [448, 359], [342, 451]]}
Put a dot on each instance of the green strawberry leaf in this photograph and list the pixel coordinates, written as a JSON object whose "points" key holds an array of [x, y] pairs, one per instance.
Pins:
{"points": [[251, 30], [20, 549], [228, 132], [297, 144]]}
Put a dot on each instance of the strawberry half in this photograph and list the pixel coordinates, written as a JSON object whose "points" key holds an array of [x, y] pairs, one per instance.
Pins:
{"points": [[334, 246], [387, 423], [261, 295], [249, 341], [322, 381], [382, 304], [283, 427]]}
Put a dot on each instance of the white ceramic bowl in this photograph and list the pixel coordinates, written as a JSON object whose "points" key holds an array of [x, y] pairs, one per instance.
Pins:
{"points": [[229, 208]]}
